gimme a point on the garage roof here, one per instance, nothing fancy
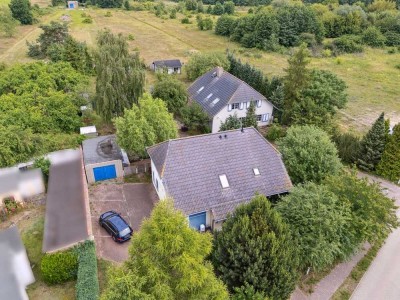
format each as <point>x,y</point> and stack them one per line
<point>101,149</point>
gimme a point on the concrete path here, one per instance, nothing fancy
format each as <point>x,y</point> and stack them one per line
<point>381,281</point>
<point>325,289</point>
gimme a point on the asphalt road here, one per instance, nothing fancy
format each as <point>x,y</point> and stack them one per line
<point>382,279</point>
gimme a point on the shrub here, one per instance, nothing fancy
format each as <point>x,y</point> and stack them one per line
<point>373,37</point>
<point>392,38</point>
<point>59,267</point>
<point>87,20</point>
<point>348,146</point>
<point>185,20</point>
<point>108,14</point>
<point>275,131</point>
<point>225,25</point>
<point>348,44</point>
<point>87,285</point>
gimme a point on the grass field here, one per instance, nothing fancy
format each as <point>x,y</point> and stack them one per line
<point>372,77</point>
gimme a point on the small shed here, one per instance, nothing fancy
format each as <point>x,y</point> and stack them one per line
<point>72,4</point>
<point>88,131</point>
<point>172,66</point>
<point>103,158</point>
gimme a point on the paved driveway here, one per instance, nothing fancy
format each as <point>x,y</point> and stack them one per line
<point>134,201</point>
<point>381,281</point>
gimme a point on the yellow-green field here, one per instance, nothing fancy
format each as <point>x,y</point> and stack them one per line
<point>372,76</point>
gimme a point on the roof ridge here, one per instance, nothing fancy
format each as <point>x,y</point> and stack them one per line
<point>215,133</point>
<point>165,161</point>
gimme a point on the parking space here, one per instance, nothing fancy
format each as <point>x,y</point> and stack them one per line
<point>134,201</point>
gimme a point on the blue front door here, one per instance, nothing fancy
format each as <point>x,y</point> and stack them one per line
<point>197,219</point>
<point>104,173</point>
<point>71,5</point>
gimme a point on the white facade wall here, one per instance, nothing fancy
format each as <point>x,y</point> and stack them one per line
<point>157,182</point>
<point>265,108</point>
<point>118,169</point>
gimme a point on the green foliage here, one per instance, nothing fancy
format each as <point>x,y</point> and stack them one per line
<point>21,10</point>
<point>191,4</point>
<point>201,63</point>
<point>251,117</point>
<point>232,122</point>
<point>318,221</point>
<point>172,91</point>
<point>389,166</point>
<point>127,5</point>
<point>373,37</point>
<point>347,44</point>
<point>167,260</point>
<point>373,215</point>
<point>255,247</point>
<point>109,3</point>
<point>185,20</point>
<point>172,14</point>
<point>204,24</point>
<point>59,267</point>
<point>296,79</point>
<point>392,38</point>
<point>87,284</point>
<point>225,25</point>
<point>275,131</point>
<point>144,125</point>
<point>195,118</point>
<point>373,145</point>
<point>120,75</point>
<point>324,94</point>
<point>8,25</point>
<point>348,146</point>
<point>229,7</point>
<point>15,145</point>
<point>218,9</point>
<point>308,154</point>
<point>43,164</point>
<point>247,292</point>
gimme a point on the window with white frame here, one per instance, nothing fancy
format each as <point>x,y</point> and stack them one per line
<point>259,118</point>
<point>235,105</point>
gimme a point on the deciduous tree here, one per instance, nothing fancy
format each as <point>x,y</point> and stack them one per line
<point>144,125</point>
<point>308,154</point>
<point>200,63</point>
<point>255,247</point>
<point>120,75</point>
<point>232,122</point>
<point>21,10</point>
<point>8,25</point>
<point>172,91</point>
<point>167,260</point>
<point>319,222</point>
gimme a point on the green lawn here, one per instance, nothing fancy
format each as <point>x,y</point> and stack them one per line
<point>372,77</point>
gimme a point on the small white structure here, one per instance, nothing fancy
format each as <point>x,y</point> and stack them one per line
<point>171,66</point>
<point>221,95</point>
<point>88,131</point>
<point>103,158</point>
<point>72,4</point>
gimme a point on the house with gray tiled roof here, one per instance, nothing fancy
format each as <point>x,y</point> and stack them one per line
<point>209,175</point>
<point>221,94</point>
<point>171,66</point>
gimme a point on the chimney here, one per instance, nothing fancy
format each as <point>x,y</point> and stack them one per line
<point>220,70</point>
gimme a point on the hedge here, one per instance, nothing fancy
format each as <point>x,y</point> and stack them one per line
<point>87,285</point>
<point>59,267</point>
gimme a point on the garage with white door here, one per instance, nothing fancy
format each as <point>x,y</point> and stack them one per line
<point>103,158</point>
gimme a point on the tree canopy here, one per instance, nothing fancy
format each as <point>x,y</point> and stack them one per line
<point>120,76</point>
<point>308,154</point>
<point>389,166</point>
<point>144,125</point>
<point>373,145</point>
<point>172,91</point>
<point>167,260</point>
<point>201,63</point>
<point>21,10</point>
<point>8,25</point>
<point>318,221</point>
<point>255,247</point>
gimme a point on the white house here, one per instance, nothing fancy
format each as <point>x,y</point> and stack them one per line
<point>209,175</point>
<point>172,66</point>
<point>221,94</point>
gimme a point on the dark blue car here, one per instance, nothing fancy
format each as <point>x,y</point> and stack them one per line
<point>116,226</point>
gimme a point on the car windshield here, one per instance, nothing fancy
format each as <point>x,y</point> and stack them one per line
<point>124,232</point>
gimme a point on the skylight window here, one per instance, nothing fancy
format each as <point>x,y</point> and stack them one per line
<point>224,181</point>
<point>256,171</point>
<point>215,101</point>
<point>200,89</point>
<point>209,96</point>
